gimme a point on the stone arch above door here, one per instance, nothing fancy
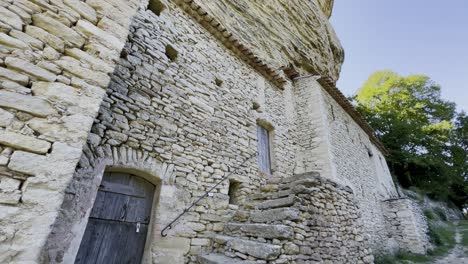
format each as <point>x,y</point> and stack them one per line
<point>63,242</point>
<point>130,160</point>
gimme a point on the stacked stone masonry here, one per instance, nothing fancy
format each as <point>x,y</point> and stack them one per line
<point>300,219</point>
<point>110,85</point>
<point>407,225</point>
<point>55,61</point>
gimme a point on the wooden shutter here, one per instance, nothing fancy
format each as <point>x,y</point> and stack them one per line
<point>264,163</point>
<point>118,224</point>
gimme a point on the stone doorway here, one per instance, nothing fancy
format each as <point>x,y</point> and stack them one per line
<point>118,224</point>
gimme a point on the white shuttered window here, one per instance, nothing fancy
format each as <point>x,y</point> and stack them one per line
<point>264,161</point>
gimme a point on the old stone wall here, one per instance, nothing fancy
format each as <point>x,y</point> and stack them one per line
<point>301,219</point>
<point>55,60</point>
<point>313,151</point>
<point>407,225</point>
<point>191,112</point>
<point>362,166</point>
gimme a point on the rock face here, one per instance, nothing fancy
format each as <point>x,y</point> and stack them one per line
<point>327,7</point>
<point>284,32</point>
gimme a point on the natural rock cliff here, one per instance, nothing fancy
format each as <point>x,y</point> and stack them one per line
<point>283,32</point>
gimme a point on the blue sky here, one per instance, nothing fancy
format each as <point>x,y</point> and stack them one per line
<point>408,37</point>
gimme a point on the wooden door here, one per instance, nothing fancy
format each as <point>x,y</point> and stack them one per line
<point>118,224</point>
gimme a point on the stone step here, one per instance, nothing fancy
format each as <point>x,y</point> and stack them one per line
<point>270,195</point>
<point>215,258</point>
<point>276,214</point>
<point>275,180</point>
<point>241,216</point>
<point>267,231</point>
<point>275,203</point>
<point>251,248</point>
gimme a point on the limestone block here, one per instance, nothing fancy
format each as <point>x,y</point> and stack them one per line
<point>404,214</point>
<point>9,197</point>
<point>4,160</point>
<point>179,244</point>
<point>12,42</point>
<point>22,142</point>
<point>34,42</point>
<point>29,68</point>
<point>74,67</point>
<point>96,64</point>
<point>107,9</point>
<point>50,53</point>
<point>25,16</point>
<point>73,128</point>
<point>83,9</point>
<point>84,101</point>
<point>50,67</point>
<point>9,184</point>
<point>56,28</point>
<point>275,215</point>
<point>9,190</point>
<point>14,87</point>
<point>61,161</point>
<point>200,242</point>
<point>29,104</point>
<point>14,76</point>
<point>262,230</point>
<point>291,249</point>
<point>27,163</point>
<point>102,36</point>
<point>166,256</point>
<point>113,28</point>
<point>10,18</point>
<point>255,249</point>
<point>45,37</point>
<point>202,105</point>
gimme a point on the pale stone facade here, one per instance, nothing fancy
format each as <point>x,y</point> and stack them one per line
<point>174,95</point>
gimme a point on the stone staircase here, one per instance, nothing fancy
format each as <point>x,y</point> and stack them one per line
<point>260,230</point>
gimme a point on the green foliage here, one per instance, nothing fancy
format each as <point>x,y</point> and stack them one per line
<point>385,259</point>
<point>464,231</point>
<point>426,138</point>
<point>443,237</point>
<point>441,213</point>
<point>430,215</point>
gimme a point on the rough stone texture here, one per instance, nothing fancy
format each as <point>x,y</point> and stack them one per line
<point>22,142</point>
<point>33,105</point>
<point>261,230</point>
<point>300,35</point>
<point>47,109</point>
<point>69,76</point>
<point>328,230</point>
<point>255,249</point>
<point>407,225</point>
<point>343,152</point>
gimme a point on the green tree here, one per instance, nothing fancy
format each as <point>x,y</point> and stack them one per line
<point>424,134</point>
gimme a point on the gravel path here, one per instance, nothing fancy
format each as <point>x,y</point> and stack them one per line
<point>459,254</point>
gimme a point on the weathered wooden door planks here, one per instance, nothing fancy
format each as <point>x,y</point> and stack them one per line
<point>118,223</point>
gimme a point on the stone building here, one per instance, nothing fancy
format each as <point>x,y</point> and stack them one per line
<point>117,115</point>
